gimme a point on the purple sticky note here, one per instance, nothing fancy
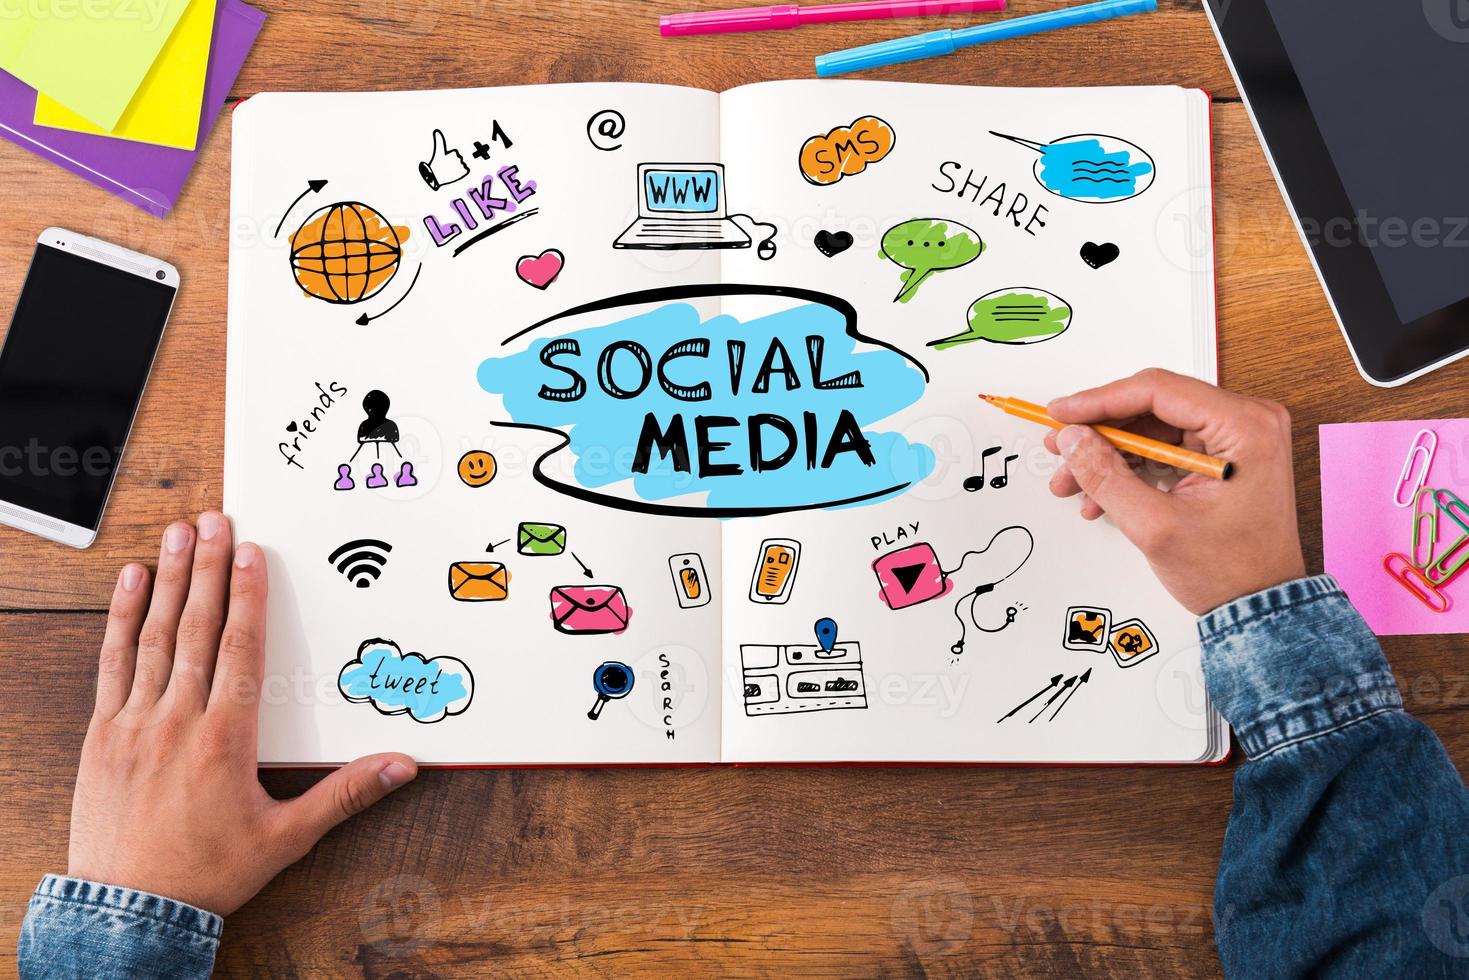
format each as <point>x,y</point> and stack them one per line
<point>140,173</point>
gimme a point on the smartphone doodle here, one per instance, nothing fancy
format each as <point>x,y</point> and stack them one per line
<point>775,570</point>
<point>690,583</point>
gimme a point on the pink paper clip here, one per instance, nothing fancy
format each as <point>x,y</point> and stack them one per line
<point>1418,448</point>
<point>1409,575</point>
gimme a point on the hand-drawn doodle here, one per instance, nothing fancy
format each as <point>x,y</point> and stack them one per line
<point>540,270</point>
<point>344,479</point>
<point>1013,315</point>
<point>346,253</point>
<point>775,571</point>
<point>376,478</point>
<point>682,206</point>
<point>479,581</point>
<point>1090,167</point>
<point>476,468</point>
<point>612,681</point>
<point>1055,682</point>
<point>496,195</point>
<point>365,319</point>
<point>585,571</point>
<point>312,187</point>
<point>1097,256</point>
<point>405,477</point>
<point>974,484</point>
<point>832,243</point>
<point>304,426</point>
<point>1131,643</point>
<point>361,561</point>
<point>497,135</point>
<point>377,430</point>
<point>800,678</point>
<point>427,690</point>
<point>826,633</point>
<point>990,583</point>
<point>540,539</point>
<point>444,166</point>
<point>923,246</point>
<point>589,610</point>
<point>690,583</point>
<point>845,150</point>
<point>910,575</point>
<point>1087,628</point>
<point>605,128</point>
<point>725,417</point>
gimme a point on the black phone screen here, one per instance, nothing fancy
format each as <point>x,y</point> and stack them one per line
<point>72,371</point>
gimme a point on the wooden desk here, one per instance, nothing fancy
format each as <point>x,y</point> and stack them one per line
<point>999,871</point>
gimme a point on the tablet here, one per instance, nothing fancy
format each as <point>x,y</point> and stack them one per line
<point>1360,106</point>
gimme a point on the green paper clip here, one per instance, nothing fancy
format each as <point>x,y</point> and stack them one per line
<point>1418,517</point>
<point>1450,563</point>
<point>1447,500</point>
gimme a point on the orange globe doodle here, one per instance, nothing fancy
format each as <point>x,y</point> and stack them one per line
<point>346,252</point>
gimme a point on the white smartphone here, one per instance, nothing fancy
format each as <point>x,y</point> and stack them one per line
<point>72,371</point>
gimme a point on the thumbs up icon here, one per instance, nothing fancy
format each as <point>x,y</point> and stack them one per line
<point>444,166</point>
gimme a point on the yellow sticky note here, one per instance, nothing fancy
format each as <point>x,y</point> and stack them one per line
<point>89,55</point>
<point>165,110</point>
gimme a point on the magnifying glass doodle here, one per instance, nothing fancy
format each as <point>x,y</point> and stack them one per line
<point>611,681</point>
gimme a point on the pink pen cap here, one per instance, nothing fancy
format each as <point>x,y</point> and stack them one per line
<point>787,16</point>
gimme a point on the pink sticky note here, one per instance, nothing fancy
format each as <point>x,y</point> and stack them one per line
<point>1360,466</point>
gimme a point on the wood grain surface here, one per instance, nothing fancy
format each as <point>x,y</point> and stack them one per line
<point>741,872</point>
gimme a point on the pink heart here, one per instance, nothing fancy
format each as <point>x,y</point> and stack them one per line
<point>540,270</point>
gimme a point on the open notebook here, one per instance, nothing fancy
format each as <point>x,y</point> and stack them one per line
<point>635,424</point>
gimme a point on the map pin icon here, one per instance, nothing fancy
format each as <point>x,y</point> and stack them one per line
<point>826,633</point>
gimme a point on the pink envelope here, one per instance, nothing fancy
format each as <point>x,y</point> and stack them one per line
<point>589,609</point>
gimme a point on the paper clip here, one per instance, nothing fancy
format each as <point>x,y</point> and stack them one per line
<point>1447,500</point>
<point>1410,578</point>
<point>1417,447</point>
<point>1419,515</point>
<point>1450,563</point>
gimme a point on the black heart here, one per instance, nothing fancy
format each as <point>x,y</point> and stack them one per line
<point>831,243</point>
<point>291,427</point>
<point>1097,256</point>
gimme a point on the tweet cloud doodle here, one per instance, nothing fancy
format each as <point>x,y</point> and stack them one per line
<point>846,150</point>
<point>427,690</point>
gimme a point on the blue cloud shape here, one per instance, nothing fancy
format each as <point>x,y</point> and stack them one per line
<point>397,683</point>
<point>603,429</point>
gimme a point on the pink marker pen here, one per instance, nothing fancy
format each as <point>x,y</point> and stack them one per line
<point>787,16</point>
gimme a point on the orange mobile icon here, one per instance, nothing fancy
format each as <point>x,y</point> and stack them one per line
<point>775,573</point>
<point>689,578</point>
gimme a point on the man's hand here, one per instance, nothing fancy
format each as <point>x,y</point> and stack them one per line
<point>167,798</point>
<point>1209,541</point>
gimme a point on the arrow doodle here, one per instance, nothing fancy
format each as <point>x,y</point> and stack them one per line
<point>1013,711</point>
<point>364,319</point>
<point>312,187</point>
<point>1084,678</point>
<point>584,569</point>
<point>490,548</point>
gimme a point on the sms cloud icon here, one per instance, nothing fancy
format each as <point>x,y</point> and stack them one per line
<point>406,683</point>
<point>846,150</point>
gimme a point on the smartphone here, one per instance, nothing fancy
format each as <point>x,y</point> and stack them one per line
<point>72,371</point>
<point>775,570</point>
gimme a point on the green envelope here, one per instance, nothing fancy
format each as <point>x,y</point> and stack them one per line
<point>541,539</point>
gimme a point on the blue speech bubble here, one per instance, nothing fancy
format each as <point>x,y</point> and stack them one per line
<point>406,683</point>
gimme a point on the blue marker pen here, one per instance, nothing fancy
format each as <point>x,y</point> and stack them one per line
<point>936,43</point>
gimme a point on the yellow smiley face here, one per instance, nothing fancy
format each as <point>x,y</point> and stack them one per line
<point>476,468</point>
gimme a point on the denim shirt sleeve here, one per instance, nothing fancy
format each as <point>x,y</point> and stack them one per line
<point>1346,851</point>
<point>76,928</point>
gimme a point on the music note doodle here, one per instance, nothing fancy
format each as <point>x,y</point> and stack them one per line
<point>974,484</point>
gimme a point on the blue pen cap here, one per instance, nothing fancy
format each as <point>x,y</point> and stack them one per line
<point>893,52</point>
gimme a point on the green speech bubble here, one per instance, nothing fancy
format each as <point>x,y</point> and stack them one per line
<point>1014,315</point>
<point>924,246</point>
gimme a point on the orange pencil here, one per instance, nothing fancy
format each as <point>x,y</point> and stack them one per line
<point>1128,442</point>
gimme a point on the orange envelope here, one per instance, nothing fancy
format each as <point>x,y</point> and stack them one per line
<point>478,581</point>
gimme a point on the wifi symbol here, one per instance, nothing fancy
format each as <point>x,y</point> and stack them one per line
<point>361,561</point>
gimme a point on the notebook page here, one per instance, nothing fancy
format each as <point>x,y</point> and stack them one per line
<point>511,642</point>
<point>1077,654</point>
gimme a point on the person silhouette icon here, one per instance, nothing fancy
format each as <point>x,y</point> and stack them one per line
<point>344,477</point>
<point>377,428</point>
<point>405,476</point>
<point>376,478</point>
